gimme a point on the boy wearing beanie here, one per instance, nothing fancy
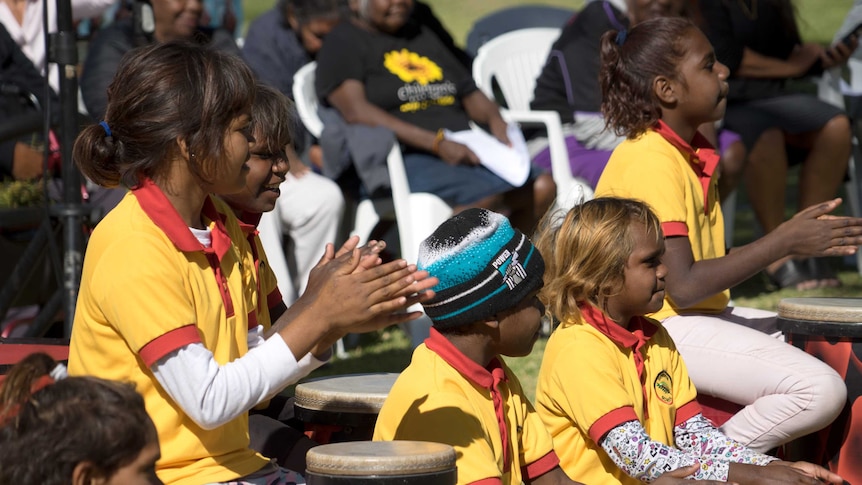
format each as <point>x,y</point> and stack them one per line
<point>457,390</point>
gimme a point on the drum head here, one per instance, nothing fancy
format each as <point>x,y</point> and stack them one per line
<point>843,310</point>
<point>380,458</point>
<point>353,393</point>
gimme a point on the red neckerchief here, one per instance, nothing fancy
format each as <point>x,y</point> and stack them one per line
<point>488,378</point>
<point>635,337</point>
<point>248,222</point>
<point>701,156</point>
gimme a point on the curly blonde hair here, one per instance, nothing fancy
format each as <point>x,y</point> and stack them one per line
<point>585,252</point>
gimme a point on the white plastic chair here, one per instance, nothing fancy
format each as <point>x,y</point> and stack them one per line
<point>417,213</point>
<point>515,59</point>
<point>368,212</point>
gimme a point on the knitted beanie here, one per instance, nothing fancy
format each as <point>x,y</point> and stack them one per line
<point>484,266</point>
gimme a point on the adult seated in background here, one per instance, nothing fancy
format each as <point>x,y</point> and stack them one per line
<point>289,35</point>
<point>172,21</point>
<point>384,68</point>
<point>224,14</point>
<point>759,42</point>
<point>569,85</point>
<point>21,101</point>
<point>23,20</point>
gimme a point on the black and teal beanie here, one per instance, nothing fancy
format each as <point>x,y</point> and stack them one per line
<point>484,265</point>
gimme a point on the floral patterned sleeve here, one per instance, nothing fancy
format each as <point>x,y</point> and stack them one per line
<point>630,447</point>
<point>698,437</point>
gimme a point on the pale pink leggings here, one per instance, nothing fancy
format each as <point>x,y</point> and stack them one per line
<point>740,356</point>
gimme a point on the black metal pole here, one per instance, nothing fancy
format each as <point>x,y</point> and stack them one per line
<point>64,52</point>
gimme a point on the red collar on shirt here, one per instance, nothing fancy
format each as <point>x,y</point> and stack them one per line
<point>248,222</point>
<point>163,214</point>
<point>702,156</point>
<point>638,333</point>
<point>250,218</point>
<point>483,377</point>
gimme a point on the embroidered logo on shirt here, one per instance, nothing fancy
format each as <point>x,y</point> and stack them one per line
<point>664,387</point>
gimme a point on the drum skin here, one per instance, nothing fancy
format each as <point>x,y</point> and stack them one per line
<point>382,462</point>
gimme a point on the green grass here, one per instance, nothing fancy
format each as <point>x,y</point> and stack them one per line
<point>820,19</point>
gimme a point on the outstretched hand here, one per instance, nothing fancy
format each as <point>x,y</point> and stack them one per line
<point>813,232</point>
<point>812,470</point>
<point>777,472</point>
<point>678,477</point>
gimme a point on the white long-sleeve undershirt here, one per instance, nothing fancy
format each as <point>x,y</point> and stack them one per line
<point>212,394</point>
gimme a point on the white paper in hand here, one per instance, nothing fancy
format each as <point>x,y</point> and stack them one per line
<point>510,163</point>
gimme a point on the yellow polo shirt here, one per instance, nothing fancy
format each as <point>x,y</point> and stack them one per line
<point>445,397</point>
<point>677,182</point>
<point>267,286</point>
<point>149,288</point>
<point>595,376</point>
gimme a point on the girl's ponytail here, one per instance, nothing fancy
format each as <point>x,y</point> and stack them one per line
<point>95,153</point>
<point>20,382</point>
<point>615,94</point>
<point>631,61</point>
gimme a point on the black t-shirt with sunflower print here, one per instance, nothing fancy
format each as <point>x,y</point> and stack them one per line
<point>411,75</point>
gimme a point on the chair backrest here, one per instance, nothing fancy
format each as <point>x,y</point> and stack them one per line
<point>514,60</point>
<point>305,97</point>
<point>514,18</point>
<point>417,214</point>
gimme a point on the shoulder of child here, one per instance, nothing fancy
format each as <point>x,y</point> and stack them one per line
<point>574,341</point>
<point>646,154</point>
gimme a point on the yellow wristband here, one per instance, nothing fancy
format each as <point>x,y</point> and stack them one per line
<point>435,147</point>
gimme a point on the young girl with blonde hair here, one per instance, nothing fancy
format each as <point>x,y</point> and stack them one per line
<point>613,391</point>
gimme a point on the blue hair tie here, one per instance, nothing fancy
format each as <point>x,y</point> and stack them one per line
<point>104,125</point>
<point>622,35</point>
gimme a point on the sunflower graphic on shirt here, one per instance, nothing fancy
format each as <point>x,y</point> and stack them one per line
<point>411,67</point>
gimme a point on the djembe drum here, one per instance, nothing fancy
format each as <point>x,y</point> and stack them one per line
<point>382,463</point>
<point>831,330</point>
<point>342,408</point>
